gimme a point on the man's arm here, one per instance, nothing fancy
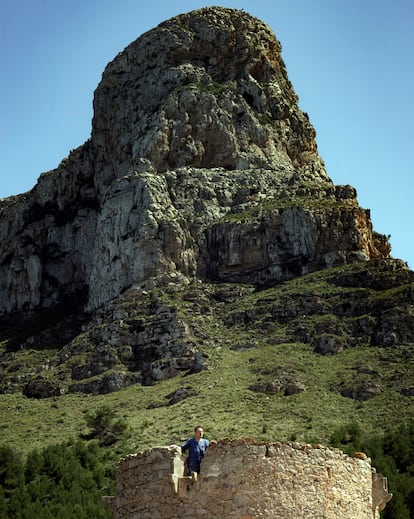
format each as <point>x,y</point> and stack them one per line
<point>185,446</point>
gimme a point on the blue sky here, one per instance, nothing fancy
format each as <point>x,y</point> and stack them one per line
<point>350,62</point>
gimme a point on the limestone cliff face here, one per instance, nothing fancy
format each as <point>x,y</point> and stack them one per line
<point>206,89</point>
<point>200,164</point>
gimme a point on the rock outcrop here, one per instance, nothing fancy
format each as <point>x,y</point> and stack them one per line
<point>200,164</point>
<point>200,168</point>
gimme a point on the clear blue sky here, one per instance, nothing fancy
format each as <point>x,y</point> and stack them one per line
<point>350,62</point>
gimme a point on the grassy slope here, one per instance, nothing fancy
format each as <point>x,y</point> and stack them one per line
<point>224,404</point>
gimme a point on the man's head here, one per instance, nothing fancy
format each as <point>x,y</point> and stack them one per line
<point>198,432</point>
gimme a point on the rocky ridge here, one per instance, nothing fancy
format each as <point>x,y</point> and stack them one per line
<point>200,169</point>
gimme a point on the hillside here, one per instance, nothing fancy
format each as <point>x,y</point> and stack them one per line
<point>294,361</point>
<point>193,262</point>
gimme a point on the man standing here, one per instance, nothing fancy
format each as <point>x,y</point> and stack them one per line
<point>197,447</point>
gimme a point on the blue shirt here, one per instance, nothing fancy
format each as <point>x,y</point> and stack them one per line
<point>196,451</point>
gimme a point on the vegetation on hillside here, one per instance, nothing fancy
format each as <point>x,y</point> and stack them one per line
<point>392,454</point>
<point>68,480</point>
<point>340,338</point>
<point>62,481</point>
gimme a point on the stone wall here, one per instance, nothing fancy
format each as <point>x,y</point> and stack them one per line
<point>246,479</point>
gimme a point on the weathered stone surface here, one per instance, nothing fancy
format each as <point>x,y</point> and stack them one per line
<point>40,388</point>
<point>328,344</point>
<point>204,83</point>
<point>287,387</point>
<point>292,388</point>
<point>137,333</point>
<point>180,394</point>
<point>407,391</point>
<point>200,168</point>
<point>249,479</point>
<point>200,163</point>
<point>380,494</point>
<point>108,383</point>
<point>267,387</point>
<point>358,390</point>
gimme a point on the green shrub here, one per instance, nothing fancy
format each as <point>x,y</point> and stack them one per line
<point>105,427</point>
<point>61,481</point>
<point>11,470</point>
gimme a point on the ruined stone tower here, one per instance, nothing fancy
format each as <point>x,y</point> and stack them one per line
<point>245,479</point>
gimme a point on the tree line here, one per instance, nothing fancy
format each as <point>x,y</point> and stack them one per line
<point>60,481</point>
<point>63,481</point>
<point>67,480</point>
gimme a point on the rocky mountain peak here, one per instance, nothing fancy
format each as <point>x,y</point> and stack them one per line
<point>201,168</point>
<point>200,164</point>
<point>205,89</point>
